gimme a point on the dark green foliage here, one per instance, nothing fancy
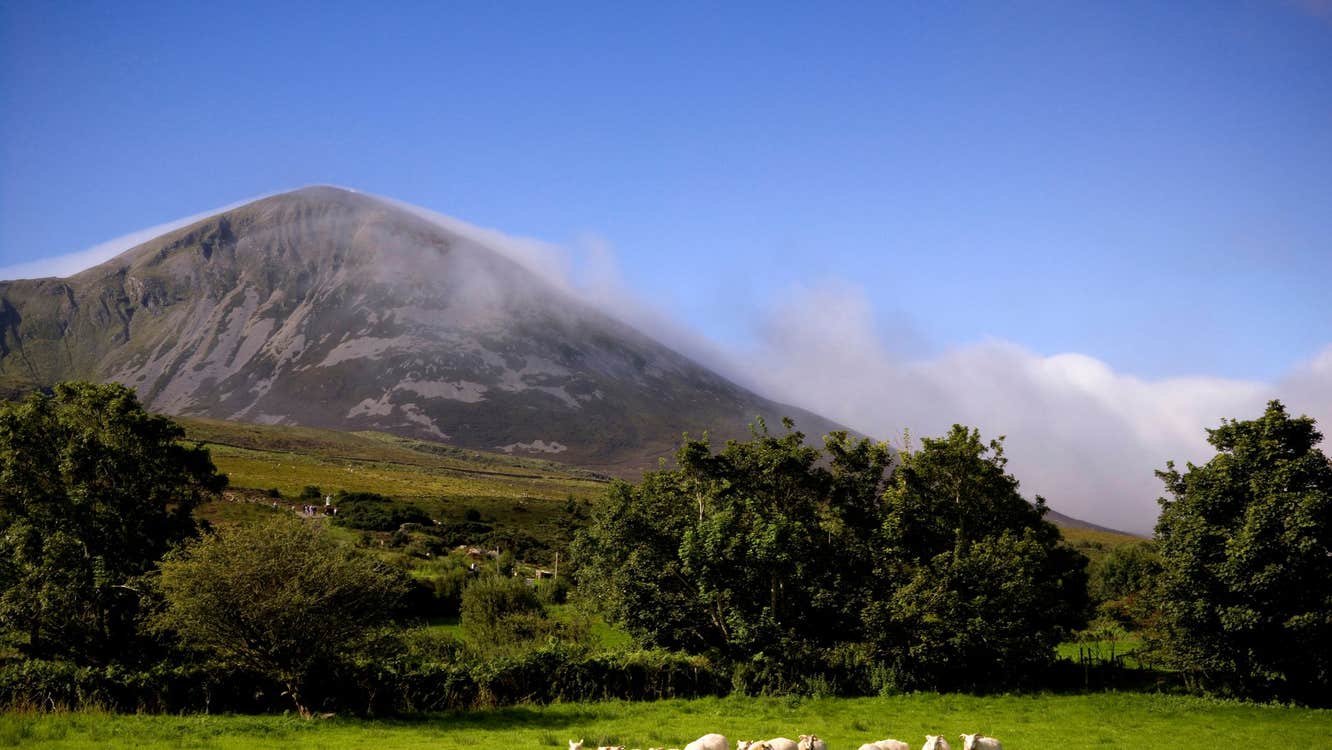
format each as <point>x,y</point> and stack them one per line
<point>406,679</point>
<point>801,570</point>
<point>1123,585</point>
<point>553,591</point>
<point>372,512</point>
<point>975,588</point>
<point>278,597</point>
<point>500,614</point>
<point>93,491</point>
<point>311,492</point>
<point>454,533</point>
<point>1247,577</point>
<point>758,549</point>
<point>438,592</point>
<point>161,687</point>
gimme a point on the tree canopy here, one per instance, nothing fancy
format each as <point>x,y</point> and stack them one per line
<point>976,588</point>
<point>93,491</point>
<point>772,551</point>
<point>277,596</point>
<point>1246,582</point>
<point>740,552</point>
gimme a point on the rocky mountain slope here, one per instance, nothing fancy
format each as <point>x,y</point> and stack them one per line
<point>328,308</point>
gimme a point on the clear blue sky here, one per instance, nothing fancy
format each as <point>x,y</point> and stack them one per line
<point>1149,183</point>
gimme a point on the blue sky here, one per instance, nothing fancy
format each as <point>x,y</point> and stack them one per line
<point>1146,184</point>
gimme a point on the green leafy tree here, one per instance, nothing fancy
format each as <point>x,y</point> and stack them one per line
<point>757,550</point>
<point>93,491</point>
<point>975,587</point>
<point>1247,574</point>
<point>277,596</point>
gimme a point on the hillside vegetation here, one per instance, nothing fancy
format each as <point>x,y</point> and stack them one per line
<point>261,457</point>
<point>140,577</point>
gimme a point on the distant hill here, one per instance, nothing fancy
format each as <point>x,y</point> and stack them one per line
<point>444,479</point>
<point>1069,522</point>
<point>327,308</point>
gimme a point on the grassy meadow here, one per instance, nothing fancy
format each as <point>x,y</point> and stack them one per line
<point>1068,722</point>
<point>442,479</point>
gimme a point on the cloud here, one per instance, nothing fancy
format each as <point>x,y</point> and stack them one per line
<point>588,270</point>
<point>550,262</point>
<point>1082,435</point>
<point>1079,433</point>
<point>72,263</point>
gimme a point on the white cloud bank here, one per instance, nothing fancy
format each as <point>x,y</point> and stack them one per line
<point>1082,435</point>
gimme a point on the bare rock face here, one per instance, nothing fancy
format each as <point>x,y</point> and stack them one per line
<point>327,308</point>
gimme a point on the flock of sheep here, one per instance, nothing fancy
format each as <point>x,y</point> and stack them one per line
<point>811,742</point>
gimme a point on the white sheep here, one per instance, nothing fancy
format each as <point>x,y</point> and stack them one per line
<point>811,742</point>
<point>935,742</point>
<point>886,745</point>
<point>712,741</point>
<point>748,745</point>
<point>780,743</point>
<point>980,742</point>
<point>575,745</point>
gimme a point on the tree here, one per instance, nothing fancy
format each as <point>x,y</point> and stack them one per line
<point>278,596</point>
<point>976,588</point>
<point>757,550</point>
<point>93,491</point>
<point>1246,584</point>
<point>1123,584</point>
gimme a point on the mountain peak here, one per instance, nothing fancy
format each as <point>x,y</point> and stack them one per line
<point>331,308</point>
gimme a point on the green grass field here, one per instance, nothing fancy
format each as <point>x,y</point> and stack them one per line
<point>1073,722</point>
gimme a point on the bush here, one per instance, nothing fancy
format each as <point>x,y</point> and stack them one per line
<point>166,688</point>
<point>371,512</point>
<point>438,594</point>
<point>558,673</point>
<point>499,612</point>
<point>553,592</point>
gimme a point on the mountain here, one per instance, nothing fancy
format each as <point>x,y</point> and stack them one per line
<point>327,308</point>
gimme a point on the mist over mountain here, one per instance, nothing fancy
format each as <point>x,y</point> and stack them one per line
<point>330,308</point>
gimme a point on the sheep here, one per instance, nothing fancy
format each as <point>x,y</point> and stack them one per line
<point>575,745</point>
<point>780,743</point>
<point>712,741</point>
<point>980,742</point>
<point>811,742</point>
<point>748,745</point>
<point>935,742</point>
<point>886,745</point>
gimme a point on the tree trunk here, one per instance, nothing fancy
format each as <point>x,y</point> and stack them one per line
<point>293,690</point>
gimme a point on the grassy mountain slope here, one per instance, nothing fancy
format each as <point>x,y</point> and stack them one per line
<point>515,493</point>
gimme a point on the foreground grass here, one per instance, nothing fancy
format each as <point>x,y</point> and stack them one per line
<point>1071,722</point>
